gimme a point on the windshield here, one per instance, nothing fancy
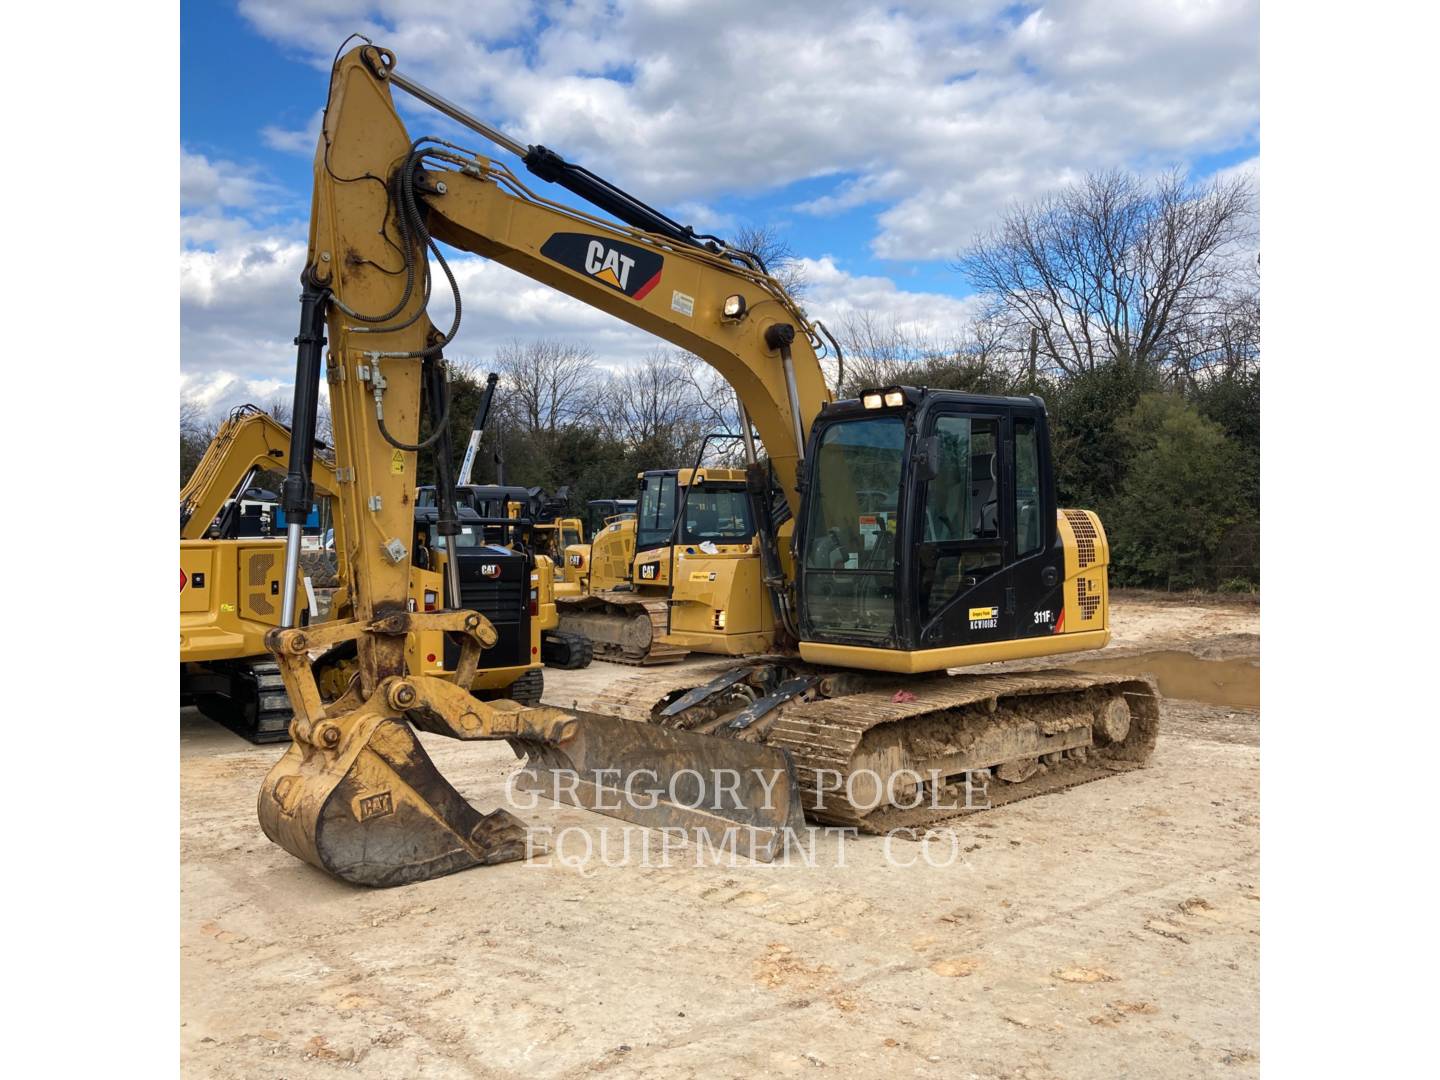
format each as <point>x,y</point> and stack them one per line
<point>469,537</point>
<point>657,512</point>
<point>850,527</point>
<point>720,515</point>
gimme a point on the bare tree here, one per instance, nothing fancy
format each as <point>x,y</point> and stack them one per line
<point>654,402</point>
<point>547,384</point>
<point>776,253</point>
<point>879,350</point>
<point>280,406</point>
<point>1115,268</point>
<point>197,428</point>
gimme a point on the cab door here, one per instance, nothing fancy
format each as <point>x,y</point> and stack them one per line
<point>963,528</point>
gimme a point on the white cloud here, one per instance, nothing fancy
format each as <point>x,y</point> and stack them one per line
<point>938,113</point>
<point>934,116</point>
<point>239,311</point>
<point>834,295</point>
<point>294,141</point>
<point>207,183</point>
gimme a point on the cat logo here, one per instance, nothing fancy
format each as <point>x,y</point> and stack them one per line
<point>576,560</point>
<point>489,569</point>
<point>627,268</point>
<point>607,264</point>
<point>649,571</point>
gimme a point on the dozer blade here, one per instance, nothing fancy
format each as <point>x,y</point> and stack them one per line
<point>744,797</point>
<point>377,812</point>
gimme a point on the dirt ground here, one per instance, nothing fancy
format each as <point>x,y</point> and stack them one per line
<point>1109,930</point>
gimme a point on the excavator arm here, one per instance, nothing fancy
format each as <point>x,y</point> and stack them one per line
<point>356,793</point>
<point>249,440</point>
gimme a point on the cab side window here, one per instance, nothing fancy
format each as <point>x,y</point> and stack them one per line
<point>1027,488</point>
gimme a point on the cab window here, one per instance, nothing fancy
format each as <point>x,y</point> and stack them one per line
<point>1027,488</point>
<point>961,540</point>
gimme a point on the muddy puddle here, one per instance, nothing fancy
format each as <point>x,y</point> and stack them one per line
<point>1233,681</point>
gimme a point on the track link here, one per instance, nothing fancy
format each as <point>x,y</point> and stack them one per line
<point>609,621</point>
<point>256,707</point>
<point>956,725</point>
<point>1015,735</point>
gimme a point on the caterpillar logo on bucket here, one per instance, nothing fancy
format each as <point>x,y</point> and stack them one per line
<point>489,569</point>
<point>626,268</point>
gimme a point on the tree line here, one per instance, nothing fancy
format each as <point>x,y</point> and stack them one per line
<point>1130,305</point>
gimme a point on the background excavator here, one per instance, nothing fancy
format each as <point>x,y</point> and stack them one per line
<point>230,585</point>
<point>923,534</point>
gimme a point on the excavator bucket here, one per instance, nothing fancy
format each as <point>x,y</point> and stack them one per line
<point>367,805</point>
<point>377,812</point>
<point>738,797</point>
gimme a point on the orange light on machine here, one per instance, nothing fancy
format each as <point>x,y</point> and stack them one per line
<point>184,577</point>
<point>430,658</point>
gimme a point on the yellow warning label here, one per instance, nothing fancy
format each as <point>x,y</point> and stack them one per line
<point>984,612</point>
<point>397,462</point>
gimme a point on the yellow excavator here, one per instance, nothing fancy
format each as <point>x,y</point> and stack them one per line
<point>230,582</point>
<point>923,534</point>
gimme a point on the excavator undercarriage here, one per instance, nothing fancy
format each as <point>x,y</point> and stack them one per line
<point>880,753</point>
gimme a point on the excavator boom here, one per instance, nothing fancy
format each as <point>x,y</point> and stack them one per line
<point>356,794</point>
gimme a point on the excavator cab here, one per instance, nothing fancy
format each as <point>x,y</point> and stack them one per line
<point>930,531</point>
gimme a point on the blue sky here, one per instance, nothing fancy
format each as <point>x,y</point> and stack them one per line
<point>878,138</point>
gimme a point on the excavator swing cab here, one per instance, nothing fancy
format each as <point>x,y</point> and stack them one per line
<point>930,529</point>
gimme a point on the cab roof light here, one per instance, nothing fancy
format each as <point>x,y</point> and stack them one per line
<point>891,397</point>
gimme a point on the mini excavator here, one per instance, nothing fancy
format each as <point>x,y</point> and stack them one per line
<point>923,534</point>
